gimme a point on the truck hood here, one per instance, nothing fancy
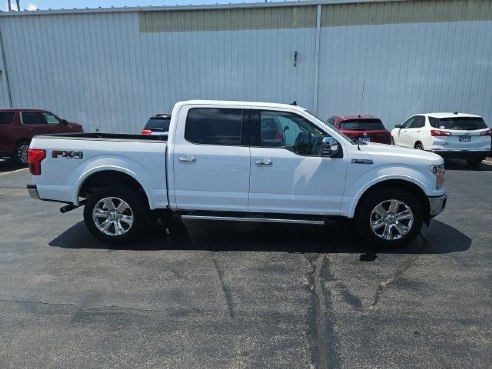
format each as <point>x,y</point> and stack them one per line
<point>390,151</point>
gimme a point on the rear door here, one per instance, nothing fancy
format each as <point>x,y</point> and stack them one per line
<point>34,123</point>
<point>466,133</point>
<point>211,159</point>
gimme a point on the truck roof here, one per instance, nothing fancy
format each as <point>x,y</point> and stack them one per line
<point>243,103</point>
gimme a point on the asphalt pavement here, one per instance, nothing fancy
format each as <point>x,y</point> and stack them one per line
<point>230,295</point>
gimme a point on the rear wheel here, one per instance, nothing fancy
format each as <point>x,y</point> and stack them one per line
<point>392,141</point>
<point>389,217</point>
<point>20,153</point>
<point>419,146</point>
<point>116,215</point>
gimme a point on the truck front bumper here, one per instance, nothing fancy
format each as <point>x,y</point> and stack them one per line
<point>437,205</point>
<point>33,191</point>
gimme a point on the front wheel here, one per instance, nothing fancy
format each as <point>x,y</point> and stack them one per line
<point>389,217</point>
<point>116,215</point>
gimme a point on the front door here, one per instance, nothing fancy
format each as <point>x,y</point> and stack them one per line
<point>287,174</point>
<point>211,161</point>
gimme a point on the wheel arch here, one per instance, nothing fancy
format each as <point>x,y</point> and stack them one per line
<point>400,184</point>
<point>107,177</point>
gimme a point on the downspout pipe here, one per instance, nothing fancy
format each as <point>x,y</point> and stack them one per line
<point>316,59</point>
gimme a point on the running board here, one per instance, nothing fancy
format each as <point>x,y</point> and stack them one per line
<point>249,219</point>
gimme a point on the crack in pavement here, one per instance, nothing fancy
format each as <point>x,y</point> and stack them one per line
<point>78,307</point>
<point>402,268</point>
<point>225,290</point>
<point>324,316</point>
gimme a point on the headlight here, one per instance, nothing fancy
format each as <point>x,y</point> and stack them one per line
<point>438,171</point>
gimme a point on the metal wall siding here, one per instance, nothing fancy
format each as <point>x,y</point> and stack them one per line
<point>112,70</point>
<point>420,11</point>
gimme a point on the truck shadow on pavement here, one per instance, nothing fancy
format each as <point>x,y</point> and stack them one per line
<point>456,164</point>
<point>9,166</point>
<point>335,237</point>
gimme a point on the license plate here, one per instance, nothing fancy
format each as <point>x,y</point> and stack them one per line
<point>364,139</point>
<point>465,138</point>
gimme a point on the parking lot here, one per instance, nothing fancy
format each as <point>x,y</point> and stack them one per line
<point>230,295</point>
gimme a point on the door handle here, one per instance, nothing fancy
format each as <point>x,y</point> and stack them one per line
<point>263,162</point>
<point>187,158</point>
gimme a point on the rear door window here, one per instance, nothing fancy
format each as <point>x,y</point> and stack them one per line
<point>33,118</point>
<point>214,126</point>
<point>459,123</point>
<point>6,118</point>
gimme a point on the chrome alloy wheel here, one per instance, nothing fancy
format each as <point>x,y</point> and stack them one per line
<point>391,219</point>
<point>113,216</point>
<point>22,153</point>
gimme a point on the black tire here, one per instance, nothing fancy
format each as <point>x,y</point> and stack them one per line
<point>475,162</point>
<point>20,153</point>
<point>367,216</point>
<point>392,141</point>
<point>419,146</point>
<point>120,230</point>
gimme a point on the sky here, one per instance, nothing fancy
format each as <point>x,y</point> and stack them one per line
<point>70,4</point>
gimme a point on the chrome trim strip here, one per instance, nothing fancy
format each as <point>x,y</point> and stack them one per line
<point>258,220</point>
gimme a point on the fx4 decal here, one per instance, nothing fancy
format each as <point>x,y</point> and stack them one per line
<point>67,154</point>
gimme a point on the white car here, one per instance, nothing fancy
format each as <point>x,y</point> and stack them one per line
<point>451,135</point>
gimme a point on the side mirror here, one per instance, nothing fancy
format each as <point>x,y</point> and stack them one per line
<point>329,147</point>
<point>397,125</point>
<point>64,122</point>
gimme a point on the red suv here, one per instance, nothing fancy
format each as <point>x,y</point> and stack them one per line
<point>362,127</point>
<point>18,126</point>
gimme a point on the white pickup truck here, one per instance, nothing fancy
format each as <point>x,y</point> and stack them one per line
<point>244,161</point>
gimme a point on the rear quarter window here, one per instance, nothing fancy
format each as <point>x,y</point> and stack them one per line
<point>6,118</point>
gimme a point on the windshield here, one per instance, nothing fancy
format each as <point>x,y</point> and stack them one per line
<point>332,127</point>
<point>362,125</point>
<point>461,123</point>
<point>158,124</point>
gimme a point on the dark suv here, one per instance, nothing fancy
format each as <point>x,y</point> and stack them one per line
<point>362,127</point>
<point>18,126</point>
<point>157,125</point>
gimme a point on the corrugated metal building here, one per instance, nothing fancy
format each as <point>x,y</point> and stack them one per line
<point>110,69</point>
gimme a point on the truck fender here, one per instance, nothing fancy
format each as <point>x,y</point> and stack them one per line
<point>365,185</point>
<point>103,163</point>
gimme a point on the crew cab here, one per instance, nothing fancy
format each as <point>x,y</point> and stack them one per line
<point>18,126</point>
<point>222,161</point>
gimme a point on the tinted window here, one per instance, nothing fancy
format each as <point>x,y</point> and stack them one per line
<point>418,122</point>
<point>362,124</point>
<point>289,131</point>
<point>462,123</point>
<point>213,126</point>
<point>33,118</point>
<point>158,124</point>
<point>6,118</point>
